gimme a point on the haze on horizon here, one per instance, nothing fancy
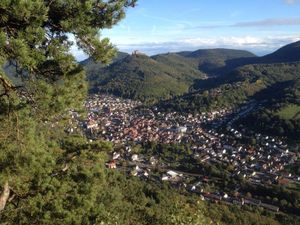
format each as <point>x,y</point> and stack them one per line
<point>156,26</point>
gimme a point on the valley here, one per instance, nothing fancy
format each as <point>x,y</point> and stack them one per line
<point>209,154</point>
<point>208,138</point>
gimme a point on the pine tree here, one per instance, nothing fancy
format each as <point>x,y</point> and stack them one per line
<point>35,41</point>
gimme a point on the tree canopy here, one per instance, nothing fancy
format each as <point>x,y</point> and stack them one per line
<point>45,81</point>
<point>35,35</point>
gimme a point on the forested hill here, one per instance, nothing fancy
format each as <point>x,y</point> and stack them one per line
<point>288,53</point>
<point>167,75</point>
<point>213,61</point>
<point>141,77</point>
<point>219,62</point>
<point>158,77</point>
<point>245,83</point>
<point>92,67</point>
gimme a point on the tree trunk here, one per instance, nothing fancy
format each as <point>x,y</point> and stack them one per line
<point>4,196</point>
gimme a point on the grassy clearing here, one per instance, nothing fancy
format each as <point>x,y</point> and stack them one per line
<point>289,112</point>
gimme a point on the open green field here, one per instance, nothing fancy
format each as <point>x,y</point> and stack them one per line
<point>289,112</point>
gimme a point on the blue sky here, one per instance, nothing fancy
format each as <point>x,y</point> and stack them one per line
<point>156,26</point>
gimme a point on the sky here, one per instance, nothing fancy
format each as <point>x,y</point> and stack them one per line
<point>160,26</point>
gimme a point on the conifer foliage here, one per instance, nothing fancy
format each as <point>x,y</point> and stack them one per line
<point>35,39</point>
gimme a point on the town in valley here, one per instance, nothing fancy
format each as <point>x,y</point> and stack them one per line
<point>212,138</point>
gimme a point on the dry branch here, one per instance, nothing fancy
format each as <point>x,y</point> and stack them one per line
<point>4,196</point>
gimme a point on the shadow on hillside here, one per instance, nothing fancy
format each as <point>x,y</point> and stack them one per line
<point>276,91</point>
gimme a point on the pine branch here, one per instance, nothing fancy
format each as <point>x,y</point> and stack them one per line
<point>7,86</point>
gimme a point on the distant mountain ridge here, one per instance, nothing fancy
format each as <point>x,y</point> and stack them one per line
<point>167,75</point>
<point>211,61</point>
<point>288,53</point>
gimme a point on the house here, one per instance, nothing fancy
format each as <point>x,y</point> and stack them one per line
<point>112,164</point>
<point>181,129</point>
<point>270,207</point>
<point>91,124</point>
<point>153,160</point>
<point>172,174</point>
<point>252,201</point>
<point>135,157</point>
<point>165,177</point>
<point>116,155</point>
<point>238,201</point>
<point>146,174</point>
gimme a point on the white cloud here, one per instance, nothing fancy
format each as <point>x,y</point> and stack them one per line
<point>258,45</point>
<point>240,41</point>
<point>269,23</point>
<point>257,23</point>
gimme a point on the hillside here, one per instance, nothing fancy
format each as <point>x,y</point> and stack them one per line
<point>283,109</point>
<point>93,68</point>
<point>288,53</point>
<point>144,78</point>
<point>258,81</point>
<point>165,75</point>
<point>179,63</point>
<point>272,82</point>
<point>219,62</point>
<point>158,77</point>
<point>90,63</point>
<point>211,61</point>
